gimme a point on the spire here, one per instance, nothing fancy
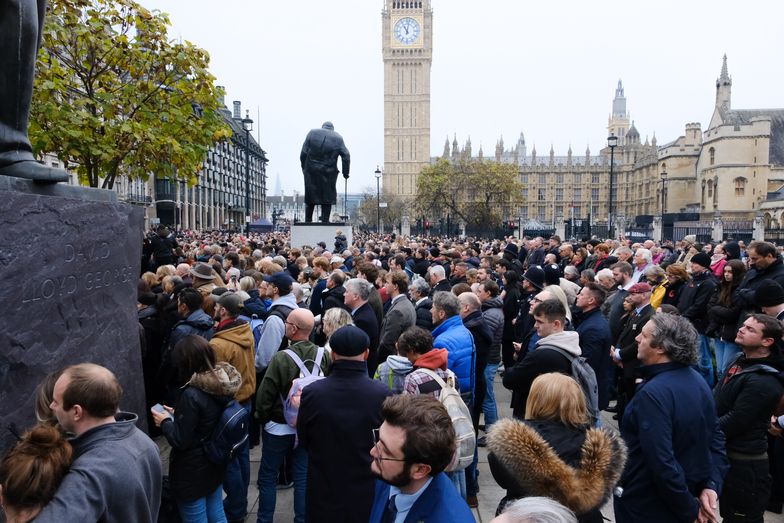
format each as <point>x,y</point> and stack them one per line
<point>619,102</point>
<point>481,154</point>
<point>653,140</point>
<point>587,151</point>
<point>455,149</point>
<point>724,88</point>
<point>725,76</point>
<point>520,149</point>
<point>499,149</point>
<point>446,147</point>
<point>467,148</point>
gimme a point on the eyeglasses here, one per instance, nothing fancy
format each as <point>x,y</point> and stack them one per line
<point>287,322</point>
<point>376,440</point>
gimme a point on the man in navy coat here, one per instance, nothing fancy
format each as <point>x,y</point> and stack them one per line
<point>595,341</point>
<point>356,298</point>
<point>677,458</point>
<point>412,448</point>
<point>335,425</point>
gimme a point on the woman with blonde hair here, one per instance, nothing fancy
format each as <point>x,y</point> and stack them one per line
<point>333,319</point>
<point>558,293</point>
<point>554,453</point>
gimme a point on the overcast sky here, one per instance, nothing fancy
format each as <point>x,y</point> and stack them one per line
<point>546,68</point>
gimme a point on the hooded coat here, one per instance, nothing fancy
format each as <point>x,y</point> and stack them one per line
<point>540,361</point>
<point>234,344</point>
<point>393,372</point>
<point>198,409</point>
<point>319,160</point>
<point>574,466</point>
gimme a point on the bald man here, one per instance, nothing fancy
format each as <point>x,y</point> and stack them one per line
<point>116,466</point>
<point>278,438</point>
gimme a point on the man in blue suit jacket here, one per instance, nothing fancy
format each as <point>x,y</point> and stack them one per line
<point>411,450</point>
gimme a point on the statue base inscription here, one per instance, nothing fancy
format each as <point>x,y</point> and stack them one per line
<point>69,262</point>
<point>311,233</point>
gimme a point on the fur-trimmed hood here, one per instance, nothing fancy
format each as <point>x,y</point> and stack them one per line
<point>223,380</point>
<point>528,460</point>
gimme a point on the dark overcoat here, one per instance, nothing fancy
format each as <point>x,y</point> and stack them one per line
<point>319,159</point>
<point>335,423</point>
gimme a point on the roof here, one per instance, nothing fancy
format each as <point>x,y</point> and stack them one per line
<point>744,117</point>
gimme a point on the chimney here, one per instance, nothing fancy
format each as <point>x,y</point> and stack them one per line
<point>237,110</point>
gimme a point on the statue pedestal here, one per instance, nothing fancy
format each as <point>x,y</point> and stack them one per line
<point>311,233</point>
<point>69,260</point>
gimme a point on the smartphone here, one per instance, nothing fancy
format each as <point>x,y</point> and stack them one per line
<point>159,408</point>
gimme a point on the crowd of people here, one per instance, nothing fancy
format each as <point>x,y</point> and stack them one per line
<point>353,363</point>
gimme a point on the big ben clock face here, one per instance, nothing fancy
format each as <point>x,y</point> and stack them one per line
<point>407,31</point>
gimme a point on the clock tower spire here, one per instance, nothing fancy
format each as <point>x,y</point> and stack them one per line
<point>407,49</point>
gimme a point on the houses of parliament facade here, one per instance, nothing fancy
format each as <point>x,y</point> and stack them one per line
<point>733,169</point>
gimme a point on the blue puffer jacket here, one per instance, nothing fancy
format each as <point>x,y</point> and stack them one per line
<point>452,335</point>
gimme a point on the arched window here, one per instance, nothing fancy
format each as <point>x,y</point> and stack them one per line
<point>712,153</point>
<point>740,186</point>
<point>710,188</point>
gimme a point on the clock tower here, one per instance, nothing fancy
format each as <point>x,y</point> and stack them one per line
<point>407,45</point>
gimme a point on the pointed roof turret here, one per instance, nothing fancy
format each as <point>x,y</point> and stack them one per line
<point>481,153</point>
<point>725,75</point>
<point>633,135</point>
<point>446,147</point>
<point>724,87</point>
<point>619,102</point>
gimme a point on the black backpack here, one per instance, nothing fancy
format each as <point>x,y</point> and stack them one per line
<point>230,434</point>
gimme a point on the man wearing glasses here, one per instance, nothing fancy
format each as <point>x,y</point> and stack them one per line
<point>411,450</point>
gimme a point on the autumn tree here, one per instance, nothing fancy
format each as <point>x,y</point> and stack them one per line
<point>114,96</point>
<point>391,213</point>
<point>478,192</point>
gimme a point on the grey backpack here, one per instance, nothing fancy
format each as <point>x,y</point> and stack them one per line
<point>584,375</point>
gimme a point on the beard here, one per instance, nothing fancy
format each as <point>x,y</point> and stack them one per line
<point>401,479</point>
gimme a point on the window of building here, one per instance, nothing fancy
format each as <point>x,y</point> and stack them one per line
<point>559,195</point>
<point>524,178</point>
<point>712,153</point>
<point>594,194</point>
<point>577,177</point>
<point>740,186</point>
<point>524,213</point>
<point>577,195</point>
<point>542,179</point>
<point>559,210</point>
<point>710,188</point>
<point>542,195</point>
<point>594,178</point>
<point>525,194</point>
<point>559,178</point>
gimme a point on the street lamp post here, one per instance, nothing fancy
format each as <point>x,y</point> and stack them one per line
<point>247,126</point>
<point>612,143</point>
<point>663,192</point>
<point>378,200</point>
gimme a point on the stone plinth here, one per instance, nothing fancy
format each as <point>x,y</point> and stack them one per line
<point>69,262</point>
<point>312,233</point>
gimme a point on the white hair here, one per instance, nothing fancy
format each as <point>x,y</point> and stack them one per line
<point>645,253</point>
<point>604,273</point>
<point>438,271</point>
<point>539,510</point>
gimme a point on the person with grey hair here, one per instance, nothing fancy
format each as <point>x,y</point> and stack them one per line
<point>571,273</point>
<point>449,333</point>
<point>357,298</point>
<point>437,277</point>
<point>676,450</point>
<point>299,295</point>
<point>419,292</point>
<point>535,510</point>
<point>640,262</point>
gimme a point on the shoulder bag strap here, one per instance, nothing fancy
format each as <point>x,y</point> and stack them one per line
<point>293,356</point>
